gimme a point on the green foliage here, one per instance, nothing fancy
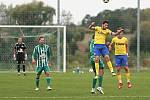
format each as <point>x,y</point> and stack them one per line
<point>125,18</point>
<point>34,13</point>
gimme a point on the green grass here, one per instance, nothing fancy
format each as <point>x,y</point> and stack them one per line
<point>68,86</point>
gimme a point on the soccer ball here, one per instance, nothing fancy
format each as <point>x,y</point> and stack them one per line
<point>105,1</point>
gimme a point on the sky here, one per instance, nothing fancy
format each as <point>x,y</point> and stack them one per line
<point>79,8</point>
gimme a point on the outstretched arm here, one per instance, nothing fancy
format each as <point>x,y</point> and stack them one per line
<point>92,26</point>
<point>116,33</point>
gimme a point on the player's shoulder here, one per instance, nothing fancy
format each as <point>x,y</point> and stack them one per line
<point>16,43</point>
<point>36,46</point>
<point>46,46</point>
<point>98,27</point>
<point>115,38</point>
<point>125,38</point>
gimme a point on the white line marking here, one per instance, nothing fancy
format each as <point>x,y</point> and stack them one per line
<point>96,96</point>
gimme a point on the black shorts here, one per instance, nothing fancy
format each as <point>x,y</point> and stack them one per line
<point>20,57</point>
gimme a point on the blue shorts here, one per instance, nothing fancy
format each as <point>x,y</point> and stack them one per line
<point>100,49</point>
<point>121,60</point>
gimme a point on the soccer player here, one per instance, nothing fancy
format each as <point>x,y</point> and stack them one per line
<point>41,56</point>
<point>20,55</point>
<point>100,72</point>
<point>121,57</point>
<point>100,48</point>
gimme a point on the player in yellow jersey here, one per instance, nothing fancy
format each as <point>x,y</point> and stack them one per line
<point>100,48</point>
<point>121,57</point>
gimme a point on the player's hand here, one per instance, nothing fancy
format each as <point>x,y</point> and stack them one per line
<point>110,48</point>
<point>93,23</point>
<point>49,64</point>
<point>33,61</point>
<point>120,30</point>
<point>26,57</point>
<point>128,55</point>
<point>14,57</point>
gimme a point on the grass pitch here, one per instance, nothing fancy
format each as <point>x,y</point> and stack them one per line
<point>69,86</point>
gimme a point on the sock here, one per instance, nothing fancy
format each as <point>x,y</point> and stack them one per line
<point>119,78</point>
<point>94,83</point>
<point>48,79</point>
<point>128,77</point>
<point>37,82</point>
<point>23,68</point>
<point>18,68</point>
<point>110,66</point>
<point>97,68</point>
<point>100,80</point>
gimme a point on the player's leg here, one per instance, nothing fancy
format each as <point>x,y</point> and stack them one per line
<point>94,78</point>
<point>100,78</point>
<point>125,64</point>
<point>105,53</point>
<point>24,68</point>
<point>48,77</point>
<point>37,80</point>
<point>23,63</point>
<point>118,66</point>
<point>96,54</point>
<point>18,67</point>
<point>101,73</point>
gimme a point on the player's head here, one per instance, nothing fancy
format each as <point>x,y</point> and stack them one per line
<point>105,24</point>
<point>120,29</point>
<point>41,40</point>
<point>19,40</point>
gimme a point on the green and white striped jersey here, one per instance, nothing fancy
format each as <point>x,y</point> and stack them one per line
<point>42,54</point>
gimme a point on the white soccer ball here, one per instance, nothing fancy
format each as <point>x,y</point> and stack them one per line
<point>90,70</point>
<point>105,1</point>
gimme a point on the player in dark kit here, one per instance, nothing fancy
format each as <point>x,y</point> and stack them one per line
<point>20,55</point>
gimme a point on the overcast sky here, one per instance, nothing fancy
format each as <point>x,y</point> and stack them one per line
<point>79,8</point>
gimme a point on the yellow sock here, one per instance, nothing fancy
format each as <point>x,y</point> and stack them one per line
<point>110,66</point>
<point>119,78</point>
<point>97,68</point>
<point>128,77</point>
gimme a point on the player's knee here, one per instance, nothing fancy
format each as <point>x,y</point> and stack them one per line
<point>97,59</point>
<point>38,76</point>
<point>101,72</point>
<point>47,74</point>
<point>118,69</point>
<point>126,69</point>
<point>107,58</point>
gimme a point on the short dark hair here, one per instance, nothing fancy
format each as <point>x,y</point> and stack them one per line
<point>105,21</point>
<point>41,37</point>
<point>119,28</point>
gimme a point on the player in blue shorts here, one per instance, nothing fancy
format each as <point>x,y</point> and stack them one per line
<point>121,57</point>
<point>100,48</point>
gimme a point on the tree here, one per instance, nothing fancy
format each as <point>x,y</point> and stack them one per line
<point>34,13</point>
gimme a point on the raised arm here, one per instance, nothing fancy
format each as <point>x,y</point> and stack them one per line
<point>118,32</point>
<point>92,26</point>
